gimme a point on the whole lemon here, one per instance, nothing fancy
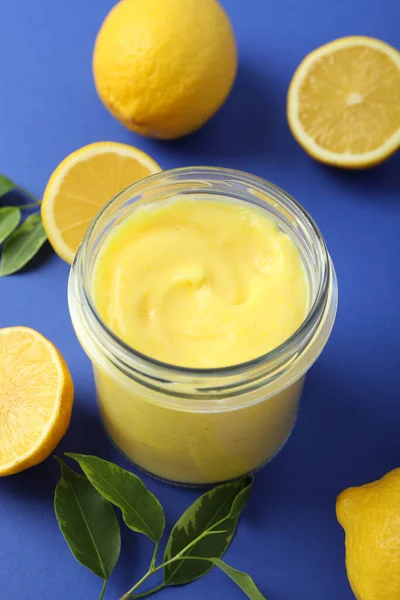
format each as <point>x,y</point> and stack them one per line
<point>164,67</point>
<point>370,516</point>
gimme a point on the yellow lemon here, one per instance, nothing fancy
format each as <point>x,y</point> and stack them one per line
<point>82,184</point>
<point>164,67</point>
<point>344,102</point>
<point>370,516</point>
<point>36,397</point>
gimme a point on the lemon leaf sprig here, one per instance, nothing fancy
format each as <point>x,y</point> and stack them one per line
<point>84,510</point>
<point>21,242</point>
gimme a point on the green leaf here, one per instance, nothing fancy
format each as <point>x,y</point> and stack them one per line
<point>141,511</point>
<point>6,185</point>
<point>243,580</point>
<point>10,216</point>
<point>87,522</point>
<point>205,530</point>
<point>22,245</point>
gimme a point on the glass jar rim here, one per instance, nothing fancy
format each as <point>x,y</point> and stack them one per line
<point>238,178</point>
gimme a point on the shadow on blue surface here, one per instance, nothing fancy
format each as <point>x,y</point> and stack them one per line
<point>252,122</point>
<point>378,184</point>
<point>329,443</point>
<point>86,434</point>
<point>37,483</point>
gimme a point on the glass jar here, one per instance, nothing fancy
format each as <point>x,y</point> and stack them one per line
<point>202,426</point>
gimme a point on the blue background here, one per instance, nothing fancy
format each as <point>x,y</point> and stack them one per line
<point>348,429</point>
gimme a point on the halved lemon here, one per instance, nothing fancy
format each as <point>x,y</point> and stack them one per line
<point>81,185</point>
<point>36,397</point>
<point>344,102</point>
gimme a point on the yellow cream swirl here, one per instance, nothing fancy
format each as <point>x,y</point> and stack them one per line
<point>200,282</point>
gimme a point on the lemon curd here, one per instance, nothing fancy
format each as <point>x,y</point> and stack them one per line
<point>200,283</point>
<point>201,313</point>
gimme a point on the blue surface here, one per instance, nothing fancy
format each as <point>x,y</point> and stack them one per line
<point>348,430</point>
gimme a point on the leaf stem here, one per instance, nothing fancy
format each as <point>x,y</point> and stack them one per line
<point>152,591</point>
<point>154,569</point>
<point>30,205</point>
<point>28,194</point>
<point>153,560</point>
<point>192,543</point>
<point>138,584</point>
<point>103,589</point>
<point>162,585</point>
